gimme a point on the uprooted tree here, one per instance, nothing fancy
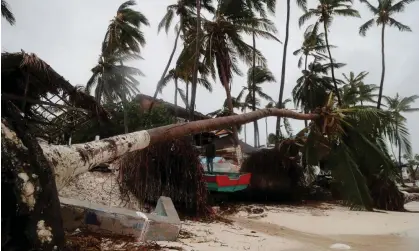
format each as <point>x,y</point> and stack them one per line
<point>349,140</point>
<point>32,219</point>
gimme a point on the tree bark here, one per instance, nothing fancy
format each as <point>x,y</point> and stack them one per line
<point>31,216</point>
<point>195,69</point>
<point>400,156</point>
<point>266,129</point>
<point>176,91</point>
<point>284,62</point>
<point>255,123</point>
<point>332,68</point>
<point>69,161</point>
<point>383,70</point>
<point>166,68</point>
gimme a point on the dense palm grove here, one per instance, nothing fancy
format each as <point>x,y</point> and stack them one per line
<point>354,139</point>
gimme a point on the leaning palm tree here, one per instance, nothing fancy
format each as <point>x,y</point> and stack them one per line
<point>303,5</point>
<point>6,13</point>
<point>124,36</point>
<point>256,76</point>
<point>325,11</point>
<point>397,106</point>
<point>124,33</point>
<point>222,43</point>
<point>384,13</point>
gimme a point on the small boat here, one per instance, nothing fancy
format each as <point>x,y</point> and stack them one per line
<point>227,181</point>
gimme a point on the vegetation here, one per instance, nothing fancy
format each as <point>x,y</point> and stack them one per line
<point>6,13</point>
<point>383,16</point>
<point>347,130</point>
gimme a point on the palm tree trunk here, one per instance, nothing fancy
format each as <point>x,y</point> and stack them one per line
<point>167,67</point>
<point>187,95</point>
<point>245,130</point>
<point>255,124</point>
<point>71,161</point>
<point>305,68</point>
<point>383,70</point>
<point>266,130</point>
<point>284,62</point>
<point>195,69</point>
<point>124,104</point>
<point>332,68</point>
<point>231,110</point>
<point>400,156</point>
<point>176,91</point>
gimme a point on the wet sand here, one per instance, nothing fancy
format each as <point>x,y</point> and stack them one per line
<point>315,242</point>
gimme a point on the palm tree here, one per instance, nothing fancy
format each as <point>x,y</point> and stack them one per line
<point>124,36</point>
<point>303,5</point>
<point>325,11</point>
<point>397,106</point>
<point>123,33</point>
<point>313,86</point>
<point>222,43</point>
<point>180,74</point>
<point>114,81</point>
<point>6,13</point>
<point>313,45</point>
<point>383,16</point>
<point>185,9</point>
<point>256,76</point>
<point>356,91</point>
<point>287,125</point>
<point>412,161</point>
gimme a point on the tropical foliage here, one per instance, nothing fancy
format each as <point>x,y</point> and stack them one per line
<point>352,137</point>
<point>384,16</point>
<point>6,13</point>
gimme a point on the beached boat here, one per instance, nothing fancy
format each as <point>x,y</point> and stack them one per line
<point>227,181</point>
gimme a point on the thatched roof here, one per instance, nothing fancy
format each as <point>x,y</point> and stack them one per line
<point>43,96</point>
<point>145,102</point>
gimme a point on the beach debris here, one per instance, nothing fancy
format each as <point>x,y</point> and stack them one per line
<point>161,225</point>
<point>340,246</point>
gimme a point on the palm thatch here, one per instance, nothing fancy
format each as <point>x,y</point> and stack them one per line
<point>41,95</point>
<point>168,169</point>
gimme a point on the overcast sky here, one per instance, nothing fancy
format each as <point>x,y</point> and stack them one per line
<point>68,34</point>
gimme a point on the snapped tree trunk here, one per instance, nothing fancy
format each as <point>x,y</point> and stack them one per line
<point>69,161</point>
<point>31,216</point>
<point>332,68</point>
<point>284,62</point>
<point>166,68</point>
<point>383,70</point>
<point>195,68</point>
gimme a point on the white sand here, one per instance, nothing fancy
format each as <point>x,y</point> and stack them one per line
<point>337,220</point>
<point>223,237</point>
<point>266,229</point>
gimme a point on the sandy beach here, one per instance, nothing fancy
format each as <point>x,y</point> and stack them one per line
<point>280,228</point>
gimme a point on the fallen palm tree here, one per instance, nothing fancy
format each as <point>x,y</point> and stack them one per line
<point>33,218</point>
<point>329,129</point>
